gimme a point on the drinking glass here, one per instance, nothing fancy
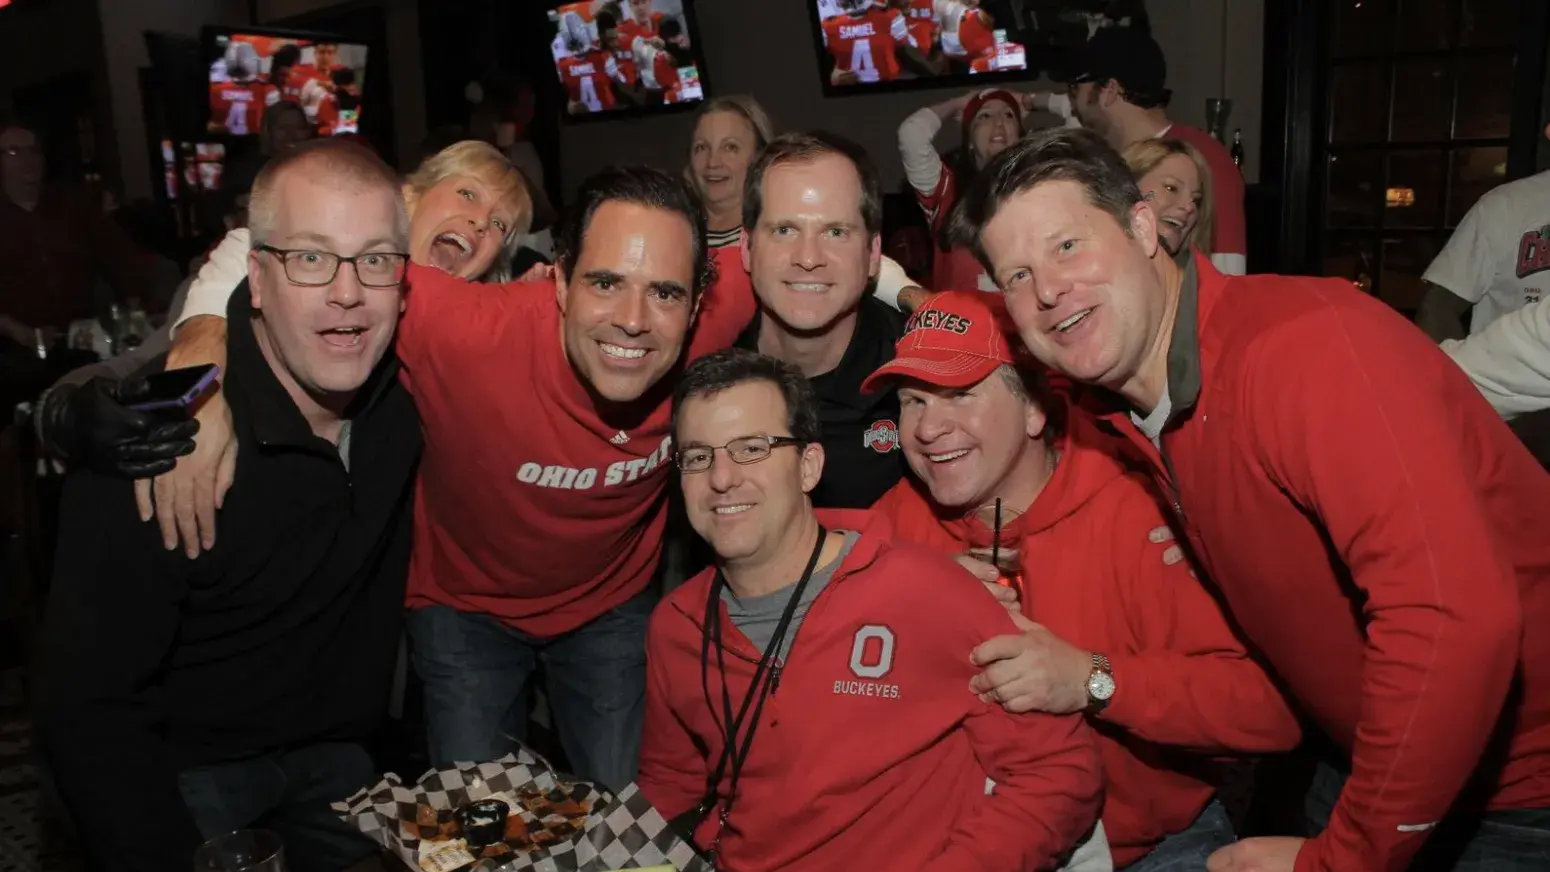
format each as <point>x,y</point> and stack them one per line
<point>241,851</point>
<point>1006,562</point>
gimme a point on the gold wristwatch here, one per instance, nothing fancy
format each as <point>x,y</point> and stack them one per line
<point>1100,684</point>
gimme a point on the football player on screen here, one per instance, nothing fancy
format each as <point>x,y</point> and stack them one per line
<point>588,74</point>
<point>871,44</point>
<point>641,23</point>
<point>237,104</point>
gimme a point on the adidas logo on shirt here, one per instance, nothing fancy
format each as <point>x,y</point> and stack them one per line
<point>619,438</point>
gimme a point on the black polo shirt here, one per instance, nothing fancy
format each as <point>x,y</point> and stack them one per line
<point>862,459</point>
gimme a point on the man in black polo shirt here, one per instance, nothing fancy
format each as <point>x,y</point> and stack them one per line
<point>181,699</point>
<point>812,206</point>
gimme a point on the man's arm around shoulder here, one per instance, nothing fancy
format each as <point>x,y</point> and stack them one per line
<point>112,618</point>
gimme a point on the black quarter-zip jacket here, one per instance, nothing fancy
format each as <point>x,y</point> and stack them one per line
<point>284,634</point>
<point>862,455</point>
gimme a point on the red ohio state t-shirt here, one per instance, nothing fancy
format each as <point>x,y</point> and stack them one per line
<point>530,506</point>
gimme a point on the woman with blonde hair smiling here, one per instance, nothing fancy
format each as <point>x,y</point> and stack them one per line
<point>1174,178</point>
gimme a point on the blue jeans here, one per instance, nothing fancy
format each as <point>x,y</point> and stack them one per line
<point>475,671</point>
<point>1498,841</point>
<point>1188,849</point>
<point>288,792</point>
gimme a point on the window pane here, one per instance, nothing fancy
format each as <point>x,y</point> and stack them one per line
<point>1351,256</point>
<point>1362,28</point>
<point>1423,100</point>
<point>1489,22</point>
<point>1355,189</point>
<point>1475,171</point>
<point>1358,103</point>
<point>1404,260</point>
<point>1414,194</point>
<point>1424,25</point>
<point>1485,98</point>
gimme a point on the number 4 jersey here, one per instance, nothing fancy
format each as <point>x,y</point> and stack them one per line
<point>865,43</point>
<point>588,79</point>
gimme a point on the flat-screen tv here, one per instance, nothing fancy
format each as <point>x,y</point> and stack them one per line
<point>865,46</point>
<point>619,57</point>
<point>251,69</point>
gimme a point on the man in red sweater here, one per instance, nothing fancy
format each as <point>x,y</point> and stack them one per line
<point>876,756</point>
<point>1373,526</point>
<point>1109,628</point>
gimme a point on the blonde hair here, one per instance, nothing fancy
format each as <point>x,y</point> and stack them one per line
<point>343,162</point>
<point>1144,156</point>
<point>745,107</point>
<point>483,161</point>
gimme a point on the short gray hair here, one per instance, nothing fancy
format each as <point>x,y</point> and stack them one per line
<point>344,162</point>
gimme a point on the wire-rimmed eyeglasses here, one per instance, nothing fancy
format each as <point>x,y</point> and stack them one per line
<point>743,450</point>
<point>311,268</point>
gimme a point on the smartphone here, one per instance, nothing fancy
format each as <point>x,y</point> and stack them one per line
<point>175,388</point>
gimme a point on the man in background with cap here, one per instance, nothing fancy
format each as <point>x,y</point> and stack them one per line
<point>1107,629</point>
<point>1118,91</point>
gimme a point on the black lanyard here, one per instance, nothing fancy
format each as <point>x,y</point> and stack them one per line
<point>765,677</point>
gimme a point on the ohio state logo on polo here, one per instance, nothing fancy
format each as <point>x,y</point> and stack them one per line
<point>871,659</point>
<point>882,437</point>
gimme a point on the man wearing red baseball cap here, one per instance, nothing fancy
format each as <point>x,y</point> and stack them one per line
<point>1006,471</point>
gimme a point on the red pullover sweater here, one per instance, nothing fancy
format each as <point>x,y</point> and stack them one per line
<point>530,506</point>
<point>1184,683</point>
<point>1375,530</point>
<point>872,752</point>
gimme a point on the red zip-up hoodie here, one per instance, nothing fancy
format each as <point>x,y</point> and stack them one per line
<point>1376,531</point>
<point>872,753</point>
<point>1183,681</point>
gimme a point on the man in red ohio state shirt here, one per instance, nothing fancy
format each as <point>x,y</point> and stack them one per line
<point>540,511</point>
<point>1143,649</point>
<point>1374,529</point>
<point>859,745</point>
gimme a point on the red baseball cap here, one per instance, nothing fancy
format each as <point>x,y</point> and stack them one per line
<point>955,340</point>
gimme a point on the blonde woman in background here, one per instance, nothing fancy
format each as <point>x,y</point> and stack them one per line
<point>728,133</point>
<point>1174,178</point>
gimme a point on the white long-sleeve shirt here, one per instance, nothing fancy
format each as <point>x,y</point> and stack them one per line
<point>1509,360</point>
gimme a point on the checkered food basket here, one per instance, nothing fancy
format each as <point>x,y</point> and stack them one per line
<point>555,826</point>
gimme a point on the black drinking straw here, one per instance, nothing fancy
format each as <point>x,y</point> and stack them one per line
<point>995,540</point>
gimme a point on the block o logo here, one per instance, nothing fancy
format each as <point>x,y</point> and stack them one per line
<point>871,655</point>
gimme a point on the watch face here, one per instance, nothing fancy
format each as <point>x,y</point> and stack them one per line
<point>1100,686</point>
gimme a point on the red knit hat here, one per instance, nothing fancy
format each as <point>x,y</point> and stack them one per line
<point>978,101</point>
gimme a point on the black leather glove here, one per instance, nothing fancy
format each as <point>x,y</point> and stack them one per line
<point>91,425</point>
